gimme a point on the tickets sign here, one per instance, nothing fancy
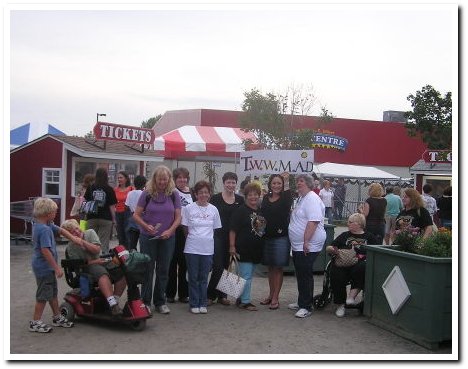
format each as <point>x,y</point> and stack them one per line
<point>117,132</point>
<point>437,156</point>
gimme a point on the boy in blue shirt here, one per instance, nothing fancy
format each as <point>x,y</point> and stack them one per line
<point>45,264</point>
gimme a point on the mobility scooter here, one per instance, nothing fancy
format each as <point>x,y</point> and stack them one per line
<point>85,300</point>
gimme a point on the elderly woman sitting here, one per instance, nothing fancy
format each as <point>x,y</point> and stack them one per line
<point>102,271</point>
<point>354,238</point>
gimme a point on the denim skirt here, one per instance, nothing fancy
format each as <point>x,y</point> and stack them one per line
<point>276,251</point>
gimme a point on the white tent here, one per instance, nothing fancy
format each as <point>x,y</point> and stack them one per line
<point>352,171</point>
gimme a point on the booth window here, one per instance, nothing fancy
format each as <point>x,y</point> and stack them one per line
<point>51,182</point>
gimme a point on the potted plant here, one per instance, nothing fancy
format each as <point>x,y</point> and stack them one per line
<point>426,269</point>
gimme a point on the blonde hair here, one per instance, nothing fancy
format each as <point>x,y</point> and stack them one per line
<point>70,224</point>
<point>160,170</point>
<point>44,206</point>
<point>359,219</point>
<point>416,200</point>
<point>375,190</point>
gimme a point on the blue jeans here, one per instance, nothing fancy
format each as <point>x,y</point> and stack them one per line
<point>160,252</point>
<point>246,271</point>
<point>304,265</point>
<point>329,214</point>
<point>198,267</point>
<point>121,226</point>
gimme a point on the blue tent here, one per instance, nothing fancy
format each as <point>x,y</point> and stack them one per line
<point>29,132</point>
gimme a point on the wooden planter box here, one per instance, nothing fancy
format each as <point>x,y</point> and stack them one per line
<point>426,317</point>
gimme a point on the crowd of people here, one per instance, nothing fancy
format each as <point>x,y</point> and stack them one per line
<point>190,232</point>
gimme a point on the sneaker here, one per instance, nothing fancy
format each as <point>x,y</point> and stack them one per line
<point>39,326</point>
<point>163,309</point>
<point>116,310</point>
<point>340,311</point>
<point>293,306</point>
<point>195,310</point>
<point>61,321</point>
<point>350,301</point>
<point>203,310</point>
<point>303,313</point>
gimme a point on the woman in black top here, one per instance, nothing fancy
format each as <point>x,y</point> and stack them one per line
<point>445,208</point>
<point>246,240</point>
<point>276,208</point>
<point>104,195</point>
<point>226,202</point>
<point>374,210</point>
<point>414,213</point>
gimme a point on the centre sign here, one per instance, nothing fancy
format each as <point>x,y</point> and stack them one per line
<point>117,132</point>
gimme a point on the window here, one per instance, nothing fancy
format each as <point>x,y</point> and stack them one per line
<point>439,183</point>
<point>51,182</point>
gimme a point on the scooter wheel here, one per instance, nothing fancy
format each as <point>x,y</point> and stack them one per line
<point>138,325</point>
<point>318,302</point>
<point>66,309</point>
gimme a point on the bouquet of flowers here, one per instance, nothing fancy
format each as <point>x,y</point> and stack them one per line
<point>406,238</point>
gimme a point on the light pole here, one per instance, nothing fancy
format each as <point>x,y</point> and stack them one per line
<point>99,115</point>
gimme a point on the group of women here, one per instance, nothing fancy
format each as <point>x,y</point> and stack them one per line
<point>193,231</point>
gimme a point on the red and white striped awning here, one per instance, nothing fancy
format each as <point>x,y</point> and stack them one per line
<point>202,139</point>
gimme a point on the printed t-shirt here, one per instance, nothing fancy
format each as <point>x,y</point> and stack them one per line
<point>416,217</point>
<point>346,240</point>
<point>95,193</point>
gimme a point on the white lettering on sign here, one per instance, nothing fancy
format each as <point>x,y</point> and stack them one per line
<point>109,131</point>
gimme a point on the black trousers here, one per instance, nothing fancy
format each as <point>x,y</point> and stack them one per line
<point>341,276</point>
<point>220,262</point>
<point>177,283</point>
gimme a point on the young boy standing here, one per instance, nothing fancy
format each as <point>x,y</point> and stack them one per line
<point>45,264</point>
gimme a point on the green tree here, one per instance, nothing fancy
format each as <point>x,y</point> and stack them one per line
<point>90,135</point>
<point>149,123</point>
<point>210,173</point>
<point>431,117</point>
<point>273,117</point>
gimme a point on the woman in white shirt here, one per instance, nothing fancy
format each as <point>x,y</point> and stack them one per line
<point>326,194</point>
<point>307,236</point>
<point>200,219</point>
<point>132,230</point>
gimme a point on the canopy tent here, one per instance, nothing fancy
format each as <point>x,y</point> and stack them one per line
<point>29,132</point>
<point>188,141</point>
<point>352,171</point>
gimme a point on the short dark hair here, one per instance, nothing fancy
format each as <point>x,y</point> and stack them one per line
<point>127,177</point>
<point>427,188</point>
<point>389,189</point>
<point>202,184</point>
<point>139,182</point>
<point>181,172</point>
<point>229,175</point>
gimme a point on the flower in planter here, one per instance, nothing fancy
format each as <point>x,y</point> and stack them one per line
<point>438,244</point>
<point>406,238</point>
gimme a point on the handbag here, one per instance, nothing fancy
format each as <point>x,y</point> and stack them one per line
<point>346,258</point>
<point>230,283</point>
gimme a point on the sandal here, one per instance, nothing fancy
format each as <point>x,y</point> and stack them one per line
<point>248,307</point>
<point>274,306</point>
<point>266,301</point>
<point>224,301</point>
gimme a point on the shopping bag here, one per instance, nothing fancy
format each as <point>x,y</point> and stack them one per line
<point>231,283</point>
<point>75,210</point>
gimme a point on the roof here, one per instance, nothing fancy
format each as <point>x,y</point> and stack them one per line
<point>201,139</point>
<point>423,167</point>
<point>352,171</point>
<point>29,132</point>
<point>112,150</point>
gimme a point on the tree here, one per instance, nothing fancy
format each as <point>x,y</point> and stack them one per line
<point>273,117</point>
<point>150,122</point>
<point>210,173</point>
<point>431,117</point>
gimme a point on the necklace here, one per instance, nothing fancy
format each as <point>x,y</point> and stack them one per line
<point>202,211</point>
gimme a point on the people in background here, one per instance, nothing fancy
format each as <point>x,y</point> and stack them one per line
<point>394,206</point>
<point>276,207</point>
<point>414,213</point>
<point>227,201</point>
<point>121,211</point>
<point>243,184</point>
<point>354,238</point>
<point>177,283</point>
<point>199,219</point>
<point>246,241</point>
<point>307,236</point>
<point>429,202</point>
<point>132,230</point>
<point>103,221</point>
<point>158,214</point>
<point>316,187</point>
<point>445,208</point>
<point>374,210</point>
<point>339,198</point>
<point>327,196</point>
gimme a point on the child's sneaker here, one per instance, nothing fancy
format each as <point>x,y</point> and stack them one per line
<point>39,326</point>
<point>61,321</point>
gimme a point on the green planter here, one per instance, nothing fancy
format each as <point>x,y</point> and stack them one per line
<point>426,317</point>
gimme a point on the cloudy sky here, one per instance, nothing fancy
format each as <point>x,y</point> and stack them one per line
<point>68,65</point>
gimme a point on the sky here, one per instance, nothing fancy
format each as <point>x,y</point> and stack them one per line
<point>65,66</point>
